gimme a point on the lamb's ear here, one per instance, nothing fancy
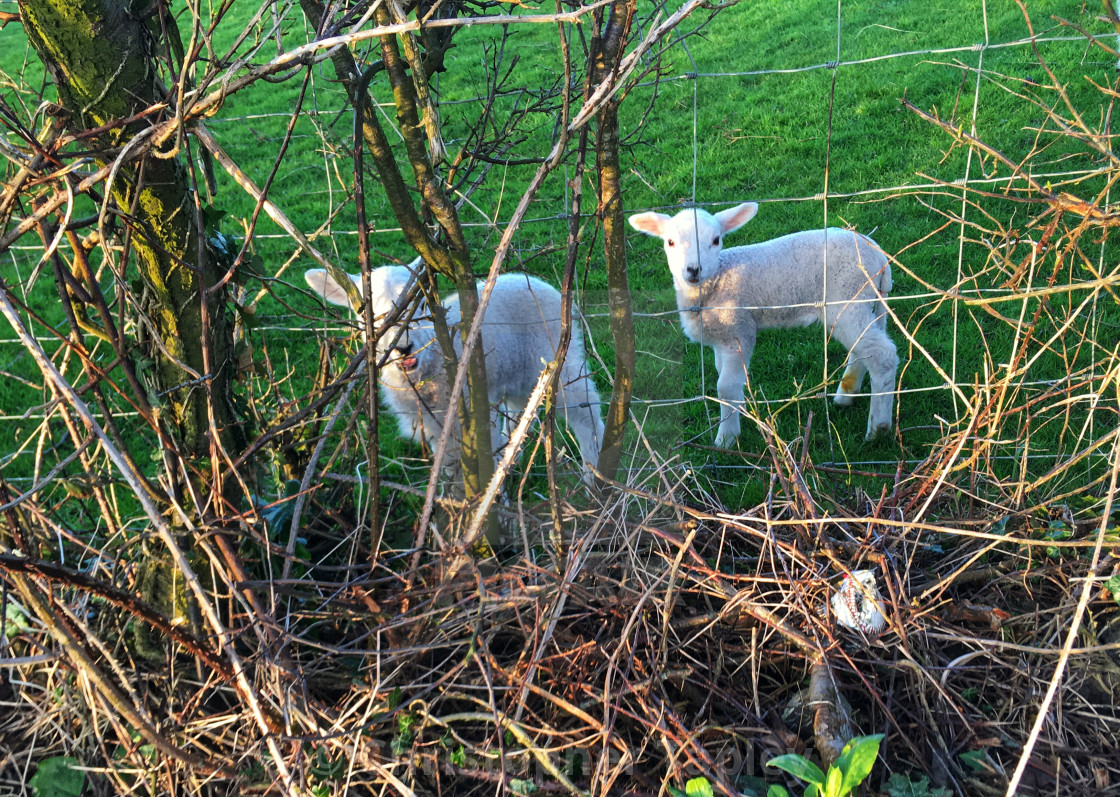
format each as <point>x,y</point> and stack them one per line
<point>734,218</point>
<point>323,284</point>
<point>650,223</point>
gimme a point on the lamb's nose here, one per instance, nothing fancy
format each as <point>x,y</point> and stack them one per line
<point>405,349</point>
<point>693,272</point>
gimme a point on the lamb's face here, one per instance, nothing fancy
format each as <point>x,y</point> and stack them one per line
<point>693,239</point>
<point>413,350</point>
<point>407,344</point>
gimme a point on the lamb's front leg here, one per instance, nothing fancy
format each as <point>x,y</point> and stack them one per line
<point>732,360</point>
<point>882,362</point>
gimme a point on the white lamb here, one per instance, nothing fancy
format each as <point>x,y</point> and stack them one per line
<point>520,334</point>
<point>725,296</point>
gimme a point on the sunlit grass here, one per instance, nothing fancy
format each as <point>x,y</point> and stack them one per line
<point>715,139</point>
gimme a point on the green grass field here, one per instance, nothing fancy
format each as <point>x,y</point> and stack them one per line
<point>747,109</point>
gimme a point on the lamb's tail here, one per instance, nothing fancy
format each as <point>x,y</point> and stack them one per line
<point>880,277</point>
<point>884,282</point>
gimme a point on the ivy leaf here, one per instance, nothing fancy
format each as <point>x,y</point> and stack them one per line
<point>975,759</point>
<point>17,621</point>
<point>751,786</point>
<point>900,785</point>
<point>212,216</point>
<point>459,756</point>
<point>57,777</point>
<point>278,514</point>
<point>395,698</point>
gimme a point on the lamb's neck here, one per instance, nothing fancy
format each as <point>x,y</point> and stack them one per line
<point>688,306</point>
<point>688,299</point>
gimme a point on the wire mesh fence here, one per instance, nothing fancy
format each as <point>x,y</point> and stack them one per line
<point>970,284</point>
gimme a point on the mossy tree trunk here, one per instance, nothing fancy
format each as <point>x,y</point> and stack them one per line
<point>101,55</point>
<point>607,50</point>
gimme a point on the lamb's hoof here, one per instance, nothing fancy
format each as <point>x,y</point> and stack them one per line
<point>843,399</point>
<point>877,431</point>
<point>726,440</point>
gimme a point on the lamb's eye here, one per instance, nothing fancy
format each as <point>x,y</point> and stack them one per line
<point>670,242</point>
<point>715,241</point>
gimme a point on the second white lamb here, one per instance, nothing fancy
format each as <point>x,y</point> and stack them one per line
<point>724,296</point>
<point>520,334</point>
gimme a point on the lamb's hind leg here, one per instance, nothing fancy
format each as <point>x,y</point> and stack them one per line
<point>731,362</point>
<point>879,354</point>
<point>852,381</point>
<point>578,404</point>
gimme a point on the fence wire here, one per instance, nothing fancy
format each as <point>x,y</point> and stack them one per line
<point>963,289</point>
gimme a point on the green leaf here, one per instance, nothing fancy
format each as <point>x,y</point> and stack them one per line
<point>405,722</point>
<point>698,787</point>
<point>856,761</point>
<point>277,514</point>
<point>777,791</point>
<point>900,785</point>
<point>395,698</point>
<point>212,216</point>
<point>522,786</point>
<point>1057,530</point>
<point>575,765</point>
<point>1113,585</point>
<point>675,792</point>
<point>459,756</point>
<point>750,785</point>
<point>976,760</point>
<point>400,744</point>
<point>56,777</point>
<point>17,621</point>
<point>833,781</point>
<point>798,766</point>
<point>324,769</point>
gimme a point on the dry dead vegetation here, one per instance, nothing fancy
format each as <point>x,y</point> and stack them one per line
<point>623,642</point>
<point>668,638</point>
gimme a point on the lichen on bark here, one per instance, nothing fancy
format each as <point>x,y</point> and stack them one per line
<point>100,55</point>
